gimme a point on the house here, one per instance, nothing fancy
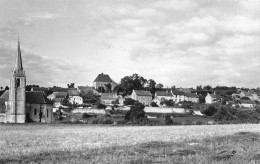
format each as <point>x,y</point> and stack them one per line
<point>103,80</point>
<point>108,98</point>
<point>232,103</point>
<point>211,98</point>
<point>247,103</point>
<point>250,94</point>
<point>178,96</point>
<point>161,96</point>
<point>85,89</point>
<point>144,97</point>
<point>74,97</point>
<point>57,98</point>
<point>193,97</point>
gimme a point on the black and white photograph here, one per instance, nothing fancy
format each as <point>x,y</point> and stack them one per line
<point>129,81</point>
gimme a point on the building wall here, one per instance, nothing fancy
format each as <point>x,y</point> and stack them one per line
<point>99,84</point>
<point>76,100</point>
<point>33,111</point>
<point>146,100</point>
<point>208,99</point>
<point>16,111</point>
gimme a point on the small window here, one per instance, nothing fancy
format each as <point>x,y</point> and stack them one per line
<point>47,113</point>
<point>17,83</point>
<point>35,111</point>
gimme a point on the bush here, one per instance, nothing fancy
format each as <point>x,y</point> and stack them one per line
<point>85,115</point>
<point>153,104</point>
<point>101,106</point>
<point>168,120</point>
<point>210,111</point>
<point>136,112</point>
<point>129,101</point>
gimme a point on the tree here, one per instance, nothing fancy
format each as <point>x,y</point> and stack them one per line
<point>210,111</point>
<point>136,113</point>
<point>6,88</point>
<point>167,103</point>
<point>89,97</point>
<point>207,87</point>
<point>129,83</point>
<point>129,101</point>
<point>108,87</point>
<point>1,88</point>
<point>151,85</point>
<point>159,86</point>
<point>199,87</point>
<point>71,85</point>
<point>201,99</point>
<point>101,89</point>
<point>153,104</point>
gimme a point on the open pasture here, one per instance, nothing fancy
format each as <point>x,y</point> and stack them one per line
<point>64,143</point>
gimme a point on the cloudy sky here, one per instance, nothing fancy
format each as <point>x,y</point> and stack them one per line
<point>175,42</point>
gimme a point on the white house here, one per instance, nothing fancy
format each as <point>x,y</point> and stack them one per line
<point>179,96</point>
<point>211,98</point>
<point>247,103</point>
<point>74,97</point>
<point>162,95</point>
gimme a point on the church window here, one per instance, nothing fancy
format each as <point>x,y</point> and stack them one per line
<point>17,82</point>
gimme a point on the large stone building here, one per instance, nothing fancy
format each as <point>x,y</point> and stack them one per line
<point>102,80</point>
<point>22,106</point>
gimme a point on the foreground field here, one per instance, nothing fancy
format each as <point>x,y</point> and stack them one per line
<point>107,144</point>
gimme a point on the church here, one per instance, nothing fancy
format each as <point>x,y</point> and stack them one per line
<point>24,106</point>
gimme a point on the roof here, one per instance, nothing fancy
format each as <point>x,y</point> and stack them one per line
<point>36,97</point>
<point>163,93</point>
<point>247,102</point>
<point>231,102</point>
<point>109,96</point>
<point>185,90</point>
<point>85,88</point>
<point>2,92</point>
<point>142,93</point>
<point>61,95</point>
<point>103,78</point>
<point>192,95</point>
<point>73,93</point>
<point>5,95</point>
<point>39,89</point>
<point>178,92</point>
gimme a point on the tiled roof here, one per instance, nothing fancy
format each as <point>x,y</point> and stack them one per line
<point>247,102</point>
<point>61,95</point>
<point>103,78</point>
<point>178,92</point>
<point>73,93</point>
<point>142,93</point>
<point>36,97</point>
<point>163,93</point>
<point>108,95</point>
<point>192,95</point>
<point>86,88</point>
<point>5,95</point>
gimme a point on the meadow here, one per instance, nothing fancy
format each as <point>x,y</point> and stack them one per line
<point>73,143</point>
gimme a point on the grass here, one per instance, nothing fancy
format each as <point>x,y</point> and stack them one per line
<point>58,143</point>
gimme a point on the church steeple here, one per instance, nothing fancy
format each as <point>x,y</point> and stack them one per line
<point>18,68</point>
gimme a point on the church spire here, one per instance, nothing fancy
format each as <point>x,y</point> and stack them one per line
<point>18,65</point>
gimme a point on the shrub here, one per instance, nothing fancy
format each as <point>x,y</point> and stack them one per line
<point>129,101</point>
<point>101,106</point>
<point>136,112</point>
<point>85,115</point>
<point>168,120</point>
<point>210,111</point>
<point>153,104</point>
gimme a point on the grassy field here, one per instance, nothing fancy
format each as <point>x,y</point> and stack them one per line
<point>64,143</point>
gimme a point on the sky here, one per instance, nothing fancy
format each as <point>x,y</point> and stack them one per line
<point>184,43</point>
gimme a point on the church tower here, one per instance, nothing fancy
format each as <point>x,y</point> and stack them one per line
<point>17,106</point>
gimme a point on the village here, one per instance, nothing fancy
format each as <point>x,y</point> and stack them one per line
<point>31,103</point>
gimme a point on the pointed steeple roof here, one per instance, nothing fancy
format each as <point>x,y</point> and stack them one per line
<point>19,64</point>
<point>18,68</point>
